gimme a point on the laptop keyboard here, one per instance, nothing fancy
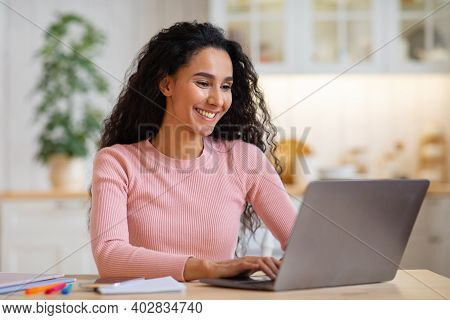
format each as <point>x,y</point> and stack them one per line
<point>254,279</point>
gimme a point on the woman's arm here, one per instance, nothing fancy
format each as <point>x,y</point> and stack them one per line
<point>196,269</point>
<point>265,191</point>
<point>112,251</point>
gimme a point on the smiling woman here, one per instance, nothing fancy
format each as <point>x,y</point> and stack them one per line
<point>182,166</point>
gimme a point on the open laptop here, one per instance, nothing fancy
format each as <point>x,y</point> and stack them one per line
<point>347,232</point>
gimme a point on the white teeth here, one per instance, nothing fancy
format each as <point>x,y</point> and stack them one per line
<point>206,114</point>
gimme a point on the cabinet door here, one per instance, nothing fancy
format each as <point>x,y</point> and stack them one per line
<point>46,236</point>
<point>422,31</point>
<point>429,244</point>
<point>260,26</point>
<point>440,235</point>
<point>343,33</point>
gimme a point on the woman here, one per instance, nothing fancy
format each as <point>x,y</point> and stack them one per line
<point>181,162</point>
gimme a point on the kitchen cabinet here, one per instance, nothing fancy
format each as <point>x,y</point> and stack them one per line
<point>424,46</point>
<point>45,232</point>
<point>259,26</point>
<point>429,245</point>
<point>289,36</point>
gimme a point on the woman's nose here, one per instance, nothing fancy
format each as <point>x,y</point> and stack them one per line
<point>215,97</point>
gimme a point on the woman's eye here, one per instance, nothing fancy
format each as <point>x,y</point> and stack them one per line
<point>205,84</point>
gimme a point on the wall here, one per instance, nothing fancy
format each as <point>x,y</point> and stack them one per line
<point>355,110</point>
<point>128,26</point>
<point>4,74</point>
<point>371,111</point>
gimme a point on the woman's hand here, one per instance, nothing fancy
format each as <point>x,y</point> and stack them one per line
<point>245,266</point>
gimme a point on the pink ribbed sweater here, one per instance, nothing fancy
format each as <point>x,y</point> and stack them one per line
<point>150,212</point>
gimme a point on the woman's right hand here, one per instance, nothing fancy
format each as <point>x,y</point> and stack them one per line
<point>245,266</point>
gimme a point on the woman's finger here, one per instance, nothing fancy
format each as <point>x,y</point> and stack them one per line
<point>243,267</point>
<point>277,262</point>
<point>271,264</point>
<point>268,265</point>
<point>268,271</point>
<point>248,269</point>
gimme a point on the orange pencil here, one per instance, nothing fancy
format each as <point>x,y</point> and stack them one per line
<point>40,289</point>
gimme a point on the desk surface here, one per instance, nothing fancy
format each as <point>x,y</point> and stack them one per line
<point>410,284</point>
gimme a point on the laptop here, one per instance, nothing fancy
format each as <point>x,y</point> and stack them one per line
<point>347,232</point>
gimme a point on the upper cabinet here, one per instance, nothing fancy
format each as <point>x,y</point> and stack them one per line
<point>259,26</point>
<point>424,44</point>
<point>283,36</point>
<point>341,34</point>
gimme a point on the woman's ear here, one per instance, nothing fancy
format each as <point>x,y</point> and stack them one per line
<point>165,85</point>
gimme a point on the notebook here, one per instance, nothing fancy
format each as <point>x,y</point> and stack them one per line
<point>8,279</point>
<point>166,284</point>
<point>12,282</point>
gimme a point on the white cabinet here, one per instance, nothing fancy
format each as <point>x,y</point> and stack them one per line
<point>298,36</point>
<point>45,235</point>
<point>424,44</point>
<point>429,245</point>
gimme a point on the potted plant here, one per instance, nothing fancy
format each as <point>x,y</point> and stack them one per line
<point>69,81</point>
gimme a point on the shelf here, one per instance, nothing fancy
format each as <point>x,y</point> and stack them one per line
<point>41,195</point>
<point>435,189</point>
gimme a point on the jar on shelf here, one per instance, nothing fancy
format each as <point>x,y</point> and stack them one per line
<point>433,154</point>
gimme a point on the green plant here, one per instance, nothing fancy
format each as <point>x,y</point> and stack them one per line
<point>67,85</point>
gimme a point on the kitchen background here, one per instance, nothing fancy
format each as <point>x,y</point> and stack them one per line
<point>386,116</point>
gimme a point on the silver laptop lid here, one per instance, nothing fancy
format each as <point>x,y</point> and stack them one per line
<point>350,232</point>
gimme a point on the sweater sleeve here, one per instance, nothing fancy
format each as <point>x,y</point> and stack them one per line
<point>265,191</point>
<point>112,251</point>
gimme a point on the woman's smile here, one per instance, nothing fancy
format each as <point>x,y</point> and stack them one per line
<point>206,115</point>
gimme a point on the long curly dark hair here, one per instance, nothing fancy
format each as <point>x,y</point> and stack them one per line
<point>142,102</point>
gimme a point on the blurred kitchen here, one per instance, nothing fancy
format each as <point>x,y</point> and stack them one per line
<point>357,88</point>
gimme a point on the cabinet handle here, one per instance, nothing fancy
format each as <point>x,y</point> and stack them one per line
<point>434,239</point>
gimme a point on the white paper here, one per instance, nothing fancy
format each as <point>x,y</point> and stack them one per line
<point>166,284</point>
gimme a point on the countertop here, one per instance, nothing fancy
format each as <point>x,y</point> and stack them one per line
<point>436,189</point>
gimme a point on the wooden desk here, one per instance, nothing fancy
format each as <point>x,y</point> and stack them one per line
<point>412,284</point>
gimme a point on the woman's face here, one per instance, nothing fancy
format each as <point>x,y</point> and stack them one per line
<point>203,85</point>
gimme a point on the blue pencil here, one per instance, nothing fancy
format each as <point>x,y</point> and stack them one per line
<point>67,289</point>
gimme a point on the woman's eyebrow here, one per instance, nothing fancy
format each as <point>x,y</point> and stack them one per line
<point>208,75</point>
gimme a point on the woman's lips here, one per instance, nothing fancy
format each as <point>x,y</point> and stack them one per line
<point>205,117</point>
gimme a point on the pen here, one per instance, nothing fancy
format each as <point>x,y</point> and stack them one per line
<point>40,289</point>
<point>55,288</point>
<point>67,289</point>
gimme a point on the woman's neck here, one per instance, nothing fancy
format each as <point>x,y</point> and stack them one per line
<point>179,145</point>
